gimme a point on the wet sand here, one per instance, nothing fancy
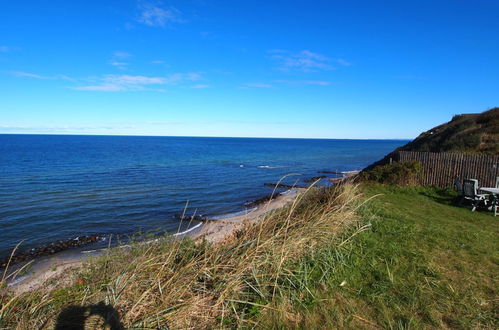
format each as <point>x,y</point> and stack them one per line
<point>218,230</point>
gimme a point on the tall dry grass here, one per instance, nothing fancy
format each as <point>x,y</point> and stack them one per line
<point>185,284</point>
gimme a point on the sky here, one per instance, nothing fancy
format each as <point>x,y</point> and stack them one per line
<point>299,69</point>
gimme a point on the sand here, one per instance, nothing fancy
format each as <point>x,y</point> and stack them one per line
<point>217,230</point>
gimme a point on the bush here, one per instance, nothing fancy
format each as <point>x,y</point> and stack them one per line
<point>400,174</point>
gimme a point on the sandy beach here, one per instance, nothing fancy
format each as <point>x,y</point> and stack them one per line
<point>218,230</point>
<point>214,231</point>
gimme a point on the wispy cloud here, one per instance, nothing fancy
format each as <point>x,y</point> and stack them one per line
<point>5,49</point>
<point>27,75</point>
<point>22,74</point>
<point>304,82</point>
<point>63,129</point>
<point>343,62</point>
<point>121,55</point>
<point>158,62</point>
<point>156,16</point>
<point>119,65</point>
<point>410,77</point>
<point>280,82</point>
<point>118,83</point>
<point>258,85</point>
<point>118,58</point>
<point>305,61</point>
<point>121,82</point>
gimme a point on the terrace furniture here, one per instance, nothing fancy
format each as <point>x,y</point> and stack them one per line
<point>494,197</point>
<point>458,186</point>
<point>470,192</point>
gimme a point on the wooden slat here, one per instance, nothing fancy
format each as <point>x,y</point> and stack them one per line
<point>440,169</point>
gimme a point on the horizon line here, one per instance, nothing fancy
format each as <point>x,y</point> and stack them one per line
<point>206,136</point>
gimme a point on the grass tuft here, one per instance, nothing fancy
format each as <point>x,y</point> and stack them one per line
<point>184,284</point>
<point>391,257</point>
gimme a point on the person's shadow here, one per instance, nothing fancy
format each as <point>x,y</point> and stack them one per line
<point>98,316</point>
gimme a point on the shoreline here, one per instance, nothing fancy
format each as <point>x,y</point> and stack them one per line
<point>214,231</point>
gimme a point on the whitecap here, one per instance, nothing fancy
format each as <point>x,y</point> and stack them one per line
<point>188,230</point>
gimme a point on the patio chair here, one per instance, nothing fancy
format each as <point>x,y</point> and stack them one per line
<point>470,192</point>
<point>458,186</point>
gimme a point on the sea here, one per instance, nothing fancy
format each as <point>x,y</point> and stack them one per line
<point>59,187</point>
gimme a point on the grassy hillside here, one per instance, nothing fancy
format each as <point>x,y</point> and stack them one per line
<point>341,257</point>
<point>467,133</point>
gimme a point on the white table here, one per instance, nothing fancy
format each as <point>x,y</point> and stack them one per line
<point>495,193</point>
<point>490,190</point>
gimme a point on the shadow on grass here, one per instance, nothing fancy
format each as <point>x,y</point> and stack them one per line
<point>450,197</point>
<point>98,316</point>
<point>443,196</point>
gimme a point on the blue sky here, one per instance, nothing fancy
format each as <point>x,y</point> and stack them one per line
<point>322,69</point>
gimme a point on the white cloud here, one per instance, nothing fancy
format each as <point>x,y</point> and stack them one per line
<point>105,87</point>
<point>181,77</point>
<point>27,75</point>
<point>200,86</point>
<point>119,65</point>
<point>258,85</point>
<point>343,62</point>
<point>305,61</point>
<point>117,83</point>
<point>134,80</point>
<point>118,60</point>
<point>158,62</point>
<point>5,49</point>
<point>122,55</point>
<point>156,16</point>
<point>304,82</point>
<point>22,74</point>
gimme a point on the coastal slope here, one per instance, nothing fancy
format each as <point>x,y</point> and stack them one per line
<point>476,133</point>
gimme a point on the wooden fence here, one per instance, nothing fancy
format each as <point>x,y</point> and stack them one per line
<point>441,169</point>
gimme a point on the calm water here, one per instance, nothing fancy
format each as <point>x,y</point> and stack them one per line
<point>59,187</point>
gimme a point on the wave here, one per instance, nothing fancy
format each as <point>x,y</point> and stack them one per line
<point>188,230</point>
<point>269,166</point>
<point>350,172</point>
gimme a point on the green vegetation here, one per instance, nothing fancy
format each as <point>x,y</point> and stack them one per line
<point>468,133</point>
<point>391,257</point>
<point>180,284</point>
<point>402,174</point>
<point>471,133</point>
<point>424,263</point>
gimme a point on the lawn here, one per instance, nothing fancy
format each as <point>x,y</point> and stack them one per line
<point>423,263</point>
<point>372,256</point>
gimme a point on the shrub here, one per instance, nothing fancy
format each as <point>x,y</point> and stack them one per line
<point>401,174</point>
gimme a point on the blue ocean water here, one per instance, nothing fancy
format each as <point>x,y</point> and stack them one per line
<point>55,187</point>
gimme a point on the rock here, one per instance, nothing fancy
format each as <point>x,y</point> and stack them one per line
<point>316,178</point>
<point>50,249</point>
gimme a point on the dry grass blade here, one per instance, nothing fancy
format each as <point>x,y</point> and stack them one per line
<point>186,284</point>
<point>10,260</point>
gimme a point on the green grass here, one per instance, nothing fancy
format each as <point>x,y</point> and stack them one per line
<point>391,257</point>
<point>424,263</point>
